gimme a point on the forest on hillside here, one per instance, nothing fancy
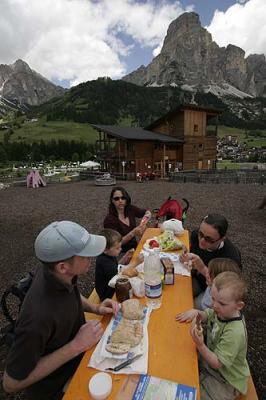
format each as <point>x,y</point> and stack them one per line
<point>106,101</point>
<point>52,150</point>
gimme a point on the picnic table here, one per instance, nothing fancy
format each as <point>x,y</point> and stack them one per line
<point>172,352</point>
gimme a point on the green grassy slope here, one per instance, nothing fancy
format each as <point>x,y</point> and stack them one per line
<point>252,141</point>
<point>52,130</point>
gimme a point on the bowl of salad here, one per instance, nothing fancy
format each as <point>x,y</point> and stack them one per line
<point>168,241</point>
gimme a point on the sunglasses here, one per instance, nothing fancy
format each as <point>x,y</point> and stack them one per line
<point>207,238</point>
<point>117,198</point>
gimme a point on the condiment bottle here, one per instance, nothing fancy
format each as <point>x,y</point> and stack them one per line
<point>146,218</point>
<point>169,271</point>
<point>123,289</point>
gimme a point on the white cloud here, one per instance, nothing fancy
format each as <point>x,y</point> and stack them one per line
<point>243,25</point>
<point>80,40</point>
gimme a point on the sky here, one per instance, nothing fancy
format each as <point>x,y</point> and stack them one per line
<point>73,41</point>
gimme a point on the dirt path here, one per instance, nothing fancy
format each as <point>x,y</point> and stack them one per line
<point>24,212</point>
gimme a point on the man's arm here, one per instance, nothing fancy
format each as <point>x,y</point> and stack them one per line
<point>88,335</point>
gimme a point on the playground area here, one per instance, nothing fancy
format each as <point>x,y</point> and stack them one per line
<point>25,211</point>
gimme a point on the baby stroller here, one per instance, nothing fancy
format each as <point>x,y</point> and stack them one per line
<point>171,209</point>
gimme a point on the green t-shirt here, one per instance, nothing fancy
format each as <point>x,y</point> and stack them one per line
<point>228,340</point>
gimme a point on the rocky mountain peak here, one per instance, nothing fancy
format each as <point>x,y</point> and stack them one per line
<point>21,84</point>
<point>20,66</point>
<point>186,22</point>
<point>190,57</point>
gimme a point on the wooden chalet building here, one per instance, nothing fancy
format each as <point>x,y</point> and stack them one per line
<point>181,139</point>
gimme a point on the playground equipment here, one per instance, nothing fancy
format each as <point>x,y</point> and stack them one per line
<point>34,179</point>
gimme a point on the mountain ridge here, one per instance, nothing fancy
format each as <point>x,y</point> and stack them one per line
<point>22,85</point>
<point>189,56</point>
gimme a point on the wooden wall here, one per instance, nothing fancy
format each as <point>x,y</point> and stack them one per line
<point>194,123</point>
<point>172,127</point>
<point>197,151</point>
<point>143,156</point>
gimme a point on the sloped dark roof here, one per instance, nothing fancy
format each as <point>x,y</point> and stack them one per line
<point>133,133</point>
<point>208,110</point>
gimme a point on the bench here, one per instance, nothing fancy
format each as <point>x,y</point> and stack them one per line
<point>93,298</point>
<point>251,393</point>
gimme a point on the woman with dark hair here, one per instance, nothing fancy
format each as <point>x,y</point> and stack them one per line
<point>122,218</point>
<point>206,243</point>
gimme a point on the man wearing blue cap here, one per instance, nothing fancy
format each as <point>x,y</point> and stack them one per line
<point>51,333</point>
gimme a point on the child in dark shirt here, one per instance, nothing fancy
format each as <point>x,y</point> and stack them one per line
<point>107,264</point>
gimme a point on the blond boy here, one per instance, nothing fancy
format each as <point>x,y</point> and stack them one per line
<point>224,369</point>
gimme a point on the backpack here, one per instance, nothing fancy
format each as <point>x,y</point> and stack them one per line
<point>18,290</point>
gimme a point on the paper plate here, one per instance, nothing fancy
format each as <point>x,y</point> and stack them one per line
<point>147,247</point>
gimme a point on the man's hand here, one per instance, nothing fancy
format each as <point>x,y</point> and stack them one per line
<point>88,335</point>
<point>108,306</point>
<point>187,316</point>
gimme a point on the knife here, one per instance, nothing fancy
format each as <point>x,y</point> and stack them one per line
<point>124,364</point>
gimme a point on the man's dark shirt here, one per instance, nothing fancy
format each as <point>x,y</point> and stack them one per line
<point>50,317</point>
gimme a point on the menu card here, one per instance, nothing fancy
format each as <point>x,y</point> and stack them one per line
<point>146,387</point>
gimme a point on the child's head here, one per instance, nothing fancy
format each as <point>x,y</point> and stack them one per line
<point>113,242</point>
<point>218,265</point>
<point>228,294</point>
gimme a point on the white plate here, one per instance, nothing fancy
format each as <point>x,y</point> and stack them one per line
<point>147,247</point>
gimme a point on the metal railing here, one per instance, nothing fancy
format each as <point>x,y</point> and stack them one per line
<point>218,176</point>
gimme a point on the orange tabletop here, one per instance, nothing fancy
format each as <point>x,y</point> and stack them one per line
<point>172,353</point>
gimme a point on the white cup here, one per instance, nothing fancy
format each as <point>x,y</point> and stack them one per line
<point>100,386</point>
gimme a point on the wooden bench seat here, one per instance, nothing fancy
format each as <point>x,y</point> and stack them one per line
<point>251,393</point>
<point>93,298</point>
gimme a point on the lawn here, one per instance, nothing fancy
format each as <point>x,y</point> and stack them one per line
<point>52,130</point>
<point>228,164</point>
<point>251,141</point>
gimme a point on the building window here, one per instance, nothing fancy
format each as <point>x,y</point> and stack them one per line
<point>196,128</point>
<point>130,146</point>
<point>201,147</point>
<point>158,146</point>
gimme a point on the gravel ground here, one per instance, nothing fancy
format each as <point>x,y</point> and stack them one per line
<point>24,212</point>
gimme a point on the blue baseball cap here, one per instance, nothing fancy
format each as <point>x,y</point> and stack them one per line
<point>64,239</point>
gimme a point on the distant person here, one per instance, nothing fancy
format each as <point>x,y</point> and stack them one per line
<point>107,263</point>
<point>223,365</point>
<point>206,243</point>
<point>51,334</point>
<point>263,203</point>
<point>122,218</point>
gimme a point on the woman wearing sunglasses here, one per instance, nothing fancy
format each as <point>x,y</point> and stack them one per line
<point>206,243</point>
<point>122,218</point>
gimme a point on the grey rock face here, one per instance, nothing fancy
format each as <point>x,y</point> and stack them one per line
<point>190,56</point>
<point>19,82</point>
